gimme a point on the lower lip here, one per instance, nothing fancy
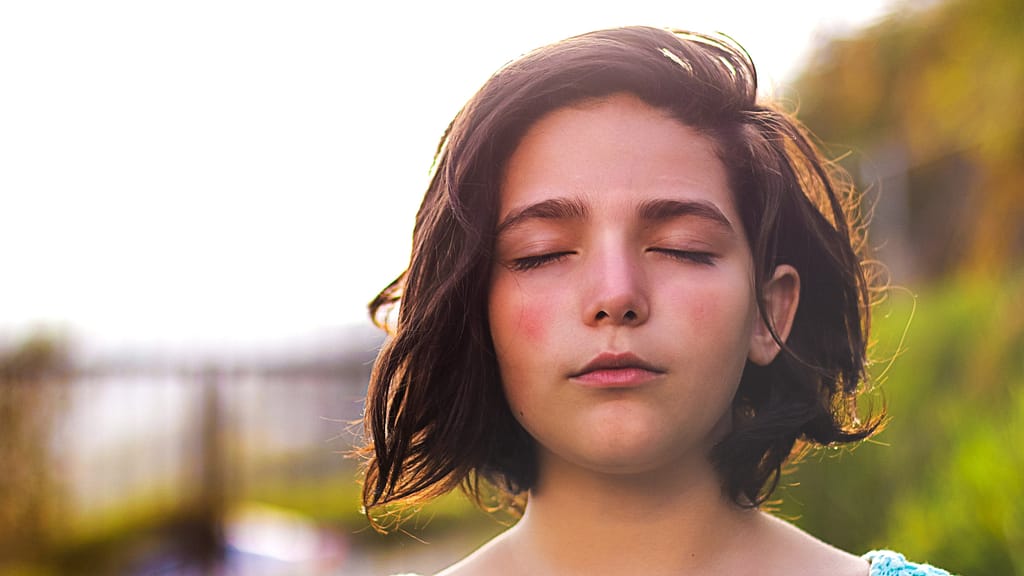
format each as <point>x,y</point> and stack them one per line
<point>616,378</point>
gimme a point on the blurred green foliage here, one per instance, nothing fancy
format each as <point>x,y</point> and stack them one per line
<point>942,482</point>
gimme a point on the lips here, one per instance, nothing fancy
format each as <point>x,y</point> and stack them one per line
<point>610,370</point>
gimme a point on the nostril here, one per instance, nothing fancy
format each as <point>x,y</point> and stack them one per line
<point>602,315</point>
<point>629,315</point>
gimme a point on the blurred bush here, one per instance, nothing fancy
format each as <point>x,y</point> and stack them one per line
<point>943,481</point>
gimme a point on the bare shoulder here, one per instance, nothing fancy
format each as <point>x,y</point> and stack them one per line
<point>805,555</point>
<point>491,559</point>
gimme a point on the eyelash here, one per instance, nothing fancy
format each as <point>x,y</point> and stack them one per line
<point>532,262</point>
<point>705,258</point>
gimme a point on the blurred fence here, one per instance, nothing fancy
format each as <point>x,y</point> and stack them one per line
<point>148,468</point>
<point>165,438</point>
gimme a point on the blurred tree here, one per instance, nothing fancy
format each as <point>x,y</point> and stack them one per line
<point>935,94</point>
<point>27,409</point>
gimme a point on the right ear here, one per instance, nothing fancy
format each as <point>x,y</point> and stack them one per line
<point>781,297</point>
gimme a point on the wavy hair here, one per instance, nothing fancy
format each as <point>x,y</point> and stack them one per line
<point>436,416</point>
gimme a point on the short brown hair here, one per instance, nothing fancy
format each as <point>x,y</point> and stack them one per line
<point>436,416</point>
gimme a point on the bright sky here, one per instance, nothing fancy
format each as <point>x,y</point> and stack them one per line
<point>229,173</point>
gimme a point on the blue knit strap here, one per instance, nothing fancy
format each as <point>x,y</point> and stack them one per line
<point>889,563</point>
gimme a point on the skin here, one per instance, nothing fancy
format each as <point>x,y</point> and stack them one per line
<point>623,312</point>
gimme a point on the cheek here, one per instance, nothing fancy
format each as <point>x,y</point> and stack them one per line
<point>720,311</point>
<point>702,309</point>
<point>517,317</point>
<point>701,302</point>
<point>534,322</point>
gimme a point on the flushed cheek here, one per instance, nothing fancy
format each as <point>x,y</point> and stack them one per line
<point>534,321</point>
<point>518,316</point>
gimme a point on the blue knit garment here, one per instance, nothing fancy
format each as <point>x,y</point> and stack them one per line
<point>889,563</point>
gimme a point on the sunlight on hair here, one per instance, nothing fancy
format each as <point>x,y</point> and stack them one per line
<point>673,57</point>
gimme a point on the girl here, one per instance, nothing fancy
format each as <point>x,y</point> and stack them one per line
<point>633,290</point>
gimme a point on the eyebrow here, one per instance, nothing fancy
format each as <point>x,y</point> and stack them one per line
<point>551,209</point>
<point>658,210</point>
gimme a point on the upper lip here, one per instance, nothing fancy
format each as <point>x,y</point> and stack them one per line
<point>612,361</point>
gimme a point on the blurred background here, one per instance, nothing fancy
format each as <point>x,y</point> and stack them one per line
<point>198,199</point>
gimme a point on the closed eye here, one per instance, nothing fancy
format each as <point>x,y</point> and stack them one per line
<point>705,258</point>
<point>531,262</point>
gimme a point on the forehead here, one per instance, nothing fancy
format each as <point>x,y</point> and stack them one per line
<point>617,152</point>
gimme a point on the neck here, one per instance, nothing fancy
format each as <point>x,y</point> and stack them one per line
<point>581,522</point>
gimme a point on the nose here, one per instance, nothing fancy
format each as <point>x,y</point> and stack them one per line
<point>615,292</point>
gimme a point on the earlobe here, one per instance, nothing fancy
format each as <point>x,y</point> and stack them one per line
<point>781,297</point>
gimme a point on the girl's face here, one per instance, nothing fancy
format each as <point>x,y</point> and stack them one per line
<point>621,304</point>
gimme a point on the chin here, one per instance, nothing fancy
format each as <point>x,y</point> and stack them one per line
<point>640,454</point>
